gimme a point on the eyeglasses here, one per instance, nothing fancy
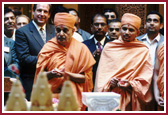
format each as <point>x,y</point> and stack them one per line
<point>97,24</point>
<point>108,16</point>
<point>58,30</point>
<point>112,29</point>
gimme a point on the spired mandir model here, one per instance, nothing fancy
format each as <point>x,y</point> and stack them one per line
<point>16,100</point>
<point>67,100</point>
<point>41,96</point>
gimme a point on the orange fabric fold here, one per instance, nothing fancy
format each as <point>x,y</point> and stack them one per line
<point>160,79</point>
<point>131,19</point>
<point>76,58</point>
<point>64,19</point>
<point>127,61</point>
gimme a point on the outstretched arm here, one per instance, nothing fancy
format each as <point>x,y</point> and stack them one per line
<point>76,77</point>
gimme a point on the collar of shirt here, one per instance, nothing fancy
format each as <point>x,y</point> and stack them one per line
<point>157,38</point>
<point>102,41</point>
<point>79,30</point>
<point>38,27</point>
<point>13,36</point>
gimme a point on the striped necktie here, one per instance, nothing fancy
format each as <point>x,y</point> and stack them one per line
<point>99,45</point>
<point>42,33</point>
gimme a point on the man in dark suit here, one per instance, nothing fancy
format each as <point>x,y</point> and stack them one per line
<point>29,41</point>
<point>10,57</point>
<point>99,28</point>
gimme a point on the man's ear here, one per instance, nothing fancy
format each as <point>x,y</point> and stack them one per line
<point>107,28</point>
<point>161,26</point>
<point>91,27</point>
<point>33,13</point>
<point>49,15</point>
<point>73,29</point>
<point>138,33</point>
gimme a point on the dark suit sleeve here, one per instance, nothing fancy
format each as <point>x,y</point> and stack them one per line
<point>14,56</point>
<point>23,51</point>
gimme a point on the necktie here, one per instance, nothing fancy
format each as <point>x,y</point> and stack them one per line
<point>99,46</point>
<point>43,36</point>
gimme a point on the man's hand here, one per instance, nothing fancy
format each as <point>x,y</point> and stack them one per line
<point>13,68</point>
<point>160,101</point>
<point>124,84</point>
<point>114,82</point>
<point>97,52</point>
<point>55,73</point>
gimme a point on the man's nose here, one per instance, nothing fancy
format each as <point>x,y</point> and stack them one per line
<point>61,32</point>
<point>152,22</point>
<point>127,31</point>
<point>10,20</point>
<point>100,26</point>
<point>22,25</point>
<point>42,12</point>
<point>110,17</point>
<point>114,31</point>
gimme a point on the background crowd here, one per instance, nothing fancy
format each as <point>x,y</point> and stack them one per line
<point>112,57</point>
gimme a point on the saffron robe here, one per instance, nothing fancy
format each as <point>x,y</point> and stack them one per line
<point>160,78</point>
<point>76,58</point>
<point>126,61</point>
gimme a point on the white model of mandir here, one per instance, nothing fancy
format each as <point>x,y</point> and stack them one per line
<point>100,101</point>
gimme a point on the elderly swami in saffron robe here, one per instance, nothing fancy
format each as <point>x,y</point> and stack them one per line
<point>62,56</point>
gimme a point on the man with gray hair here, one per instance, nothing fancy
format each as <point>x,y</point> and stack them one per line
<point>21,21</point>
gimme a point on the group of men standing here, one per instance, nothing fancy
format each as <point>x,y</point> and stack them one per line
<point>112,59</point>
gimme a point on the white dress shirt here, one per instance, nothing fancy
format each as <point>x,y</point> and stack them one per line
<point>38,28</point>
<point>101,42</point>
<point>152,45</point>
<point>13,36</point>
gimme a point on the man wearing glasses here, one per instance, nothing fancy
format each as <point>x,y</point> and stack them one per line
<point>99,28</point>
<point>114,29</point>
<point>110,14</point>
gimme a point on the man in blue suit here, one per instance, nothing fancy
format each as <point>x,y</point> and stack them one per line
<point>10,58</point>
<point>154,22</point>
<point>29,41</point>
<point>99,28</point>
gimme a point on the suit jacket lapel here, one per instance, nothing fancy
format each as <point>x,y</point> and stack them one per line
<point>92,45</point>
<point>36,34</point>
<point>106,40</point>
